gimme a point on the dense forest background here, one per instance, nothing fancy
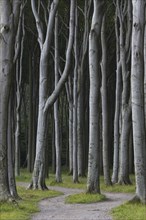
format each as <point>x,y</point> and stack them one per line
<point>73,92</point>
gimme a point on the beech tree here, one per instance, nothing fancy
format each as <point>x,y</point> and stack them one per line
<point>137,76</point>
<point>56,107</point>
<point>93,185</point>
<point>38,177</point>
<point>9,18</point>
<point>105,117</point>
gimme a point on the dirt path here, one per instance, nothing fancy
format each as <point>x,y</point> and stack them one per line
<point>56,209</point>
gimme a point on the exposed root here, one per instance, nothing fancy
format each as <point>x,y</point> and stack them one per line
<point>124,181</point>
<point>137,199</point>
<point>33,186</point>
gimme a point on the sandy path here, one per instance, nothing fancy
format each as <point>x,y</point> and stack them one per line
<point>56,209</point>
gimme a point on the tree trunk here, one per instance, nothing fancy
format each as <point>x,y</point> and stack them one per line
<point>105,121</point>
<point>117,103</point>
<point>75,144</point>
<point>56,108</point>
<point>93,185</point>
<point>81,92</point>
<point>137,77</point>
<point>70,138</point>
<point>30,118</point>
<point>9,15</point>
<point>11,151</point>
<point>45,102</point>
<point>125,51</point>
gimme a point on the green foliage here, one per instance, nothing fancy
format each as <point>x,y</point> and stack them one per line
<point>84,198</point>
<point>129,211</point>
<point>27,206</point>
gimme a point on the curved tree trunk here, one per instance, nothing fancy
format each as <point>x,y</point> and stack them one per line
<point>45,102</point>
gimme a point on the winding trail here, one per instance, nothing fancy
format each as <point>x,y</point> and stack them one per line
<point>56,209</point>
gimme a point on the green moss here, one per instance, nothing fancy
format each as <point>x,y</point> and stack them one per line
<point>84,198</point>
<point>130,211</point>
<point>25,207</point>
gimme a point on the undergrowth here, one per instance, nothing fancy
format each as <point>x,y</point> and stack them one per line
<point>84,198</point>
<point>23,209</point>
<point>127,211</point>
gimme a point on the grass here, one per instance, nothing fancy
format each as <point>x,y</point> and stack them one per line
<point>84,198</point>
<point>25,207</point>
<point>129,211</point>
<point>68,183</point>
<point>25,176</point>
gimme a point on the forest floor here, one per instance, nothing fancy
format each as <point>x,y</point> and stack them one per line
<point>57,209</point>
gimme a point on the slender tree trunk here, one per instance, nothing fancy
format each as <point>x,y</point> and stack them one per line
<point>11,152</point>
<point>56,108</point>
<point>45,102</point>
<point>70,138</point>
<point>137,77</point>
<point>17,130</point>
<point>93,185</point>
<point>105,125</point>
<point>117,106</point>
<point>30,118</point>
<point>75,144</point>
<point>19,91</point>
<point>81,92</point>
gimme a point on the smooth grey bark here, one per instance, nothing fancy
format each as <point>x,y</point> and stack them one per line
<point>30,118</point>
<point>75,79</point>
<point>69,93</point>
<point>38,178</point>
<point>125,51</point>
<point>105,121</point>
<point>56,108</point>
<point>19,56</point>
<point>11,150</point>
<point>9,16</point>
<point>53,149</point>
<point>93,185</point>
<point>137,77</point>
<point>117,105</point>
<point>17,129</point>
<point>81,114</point>
<point>70,137</point>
